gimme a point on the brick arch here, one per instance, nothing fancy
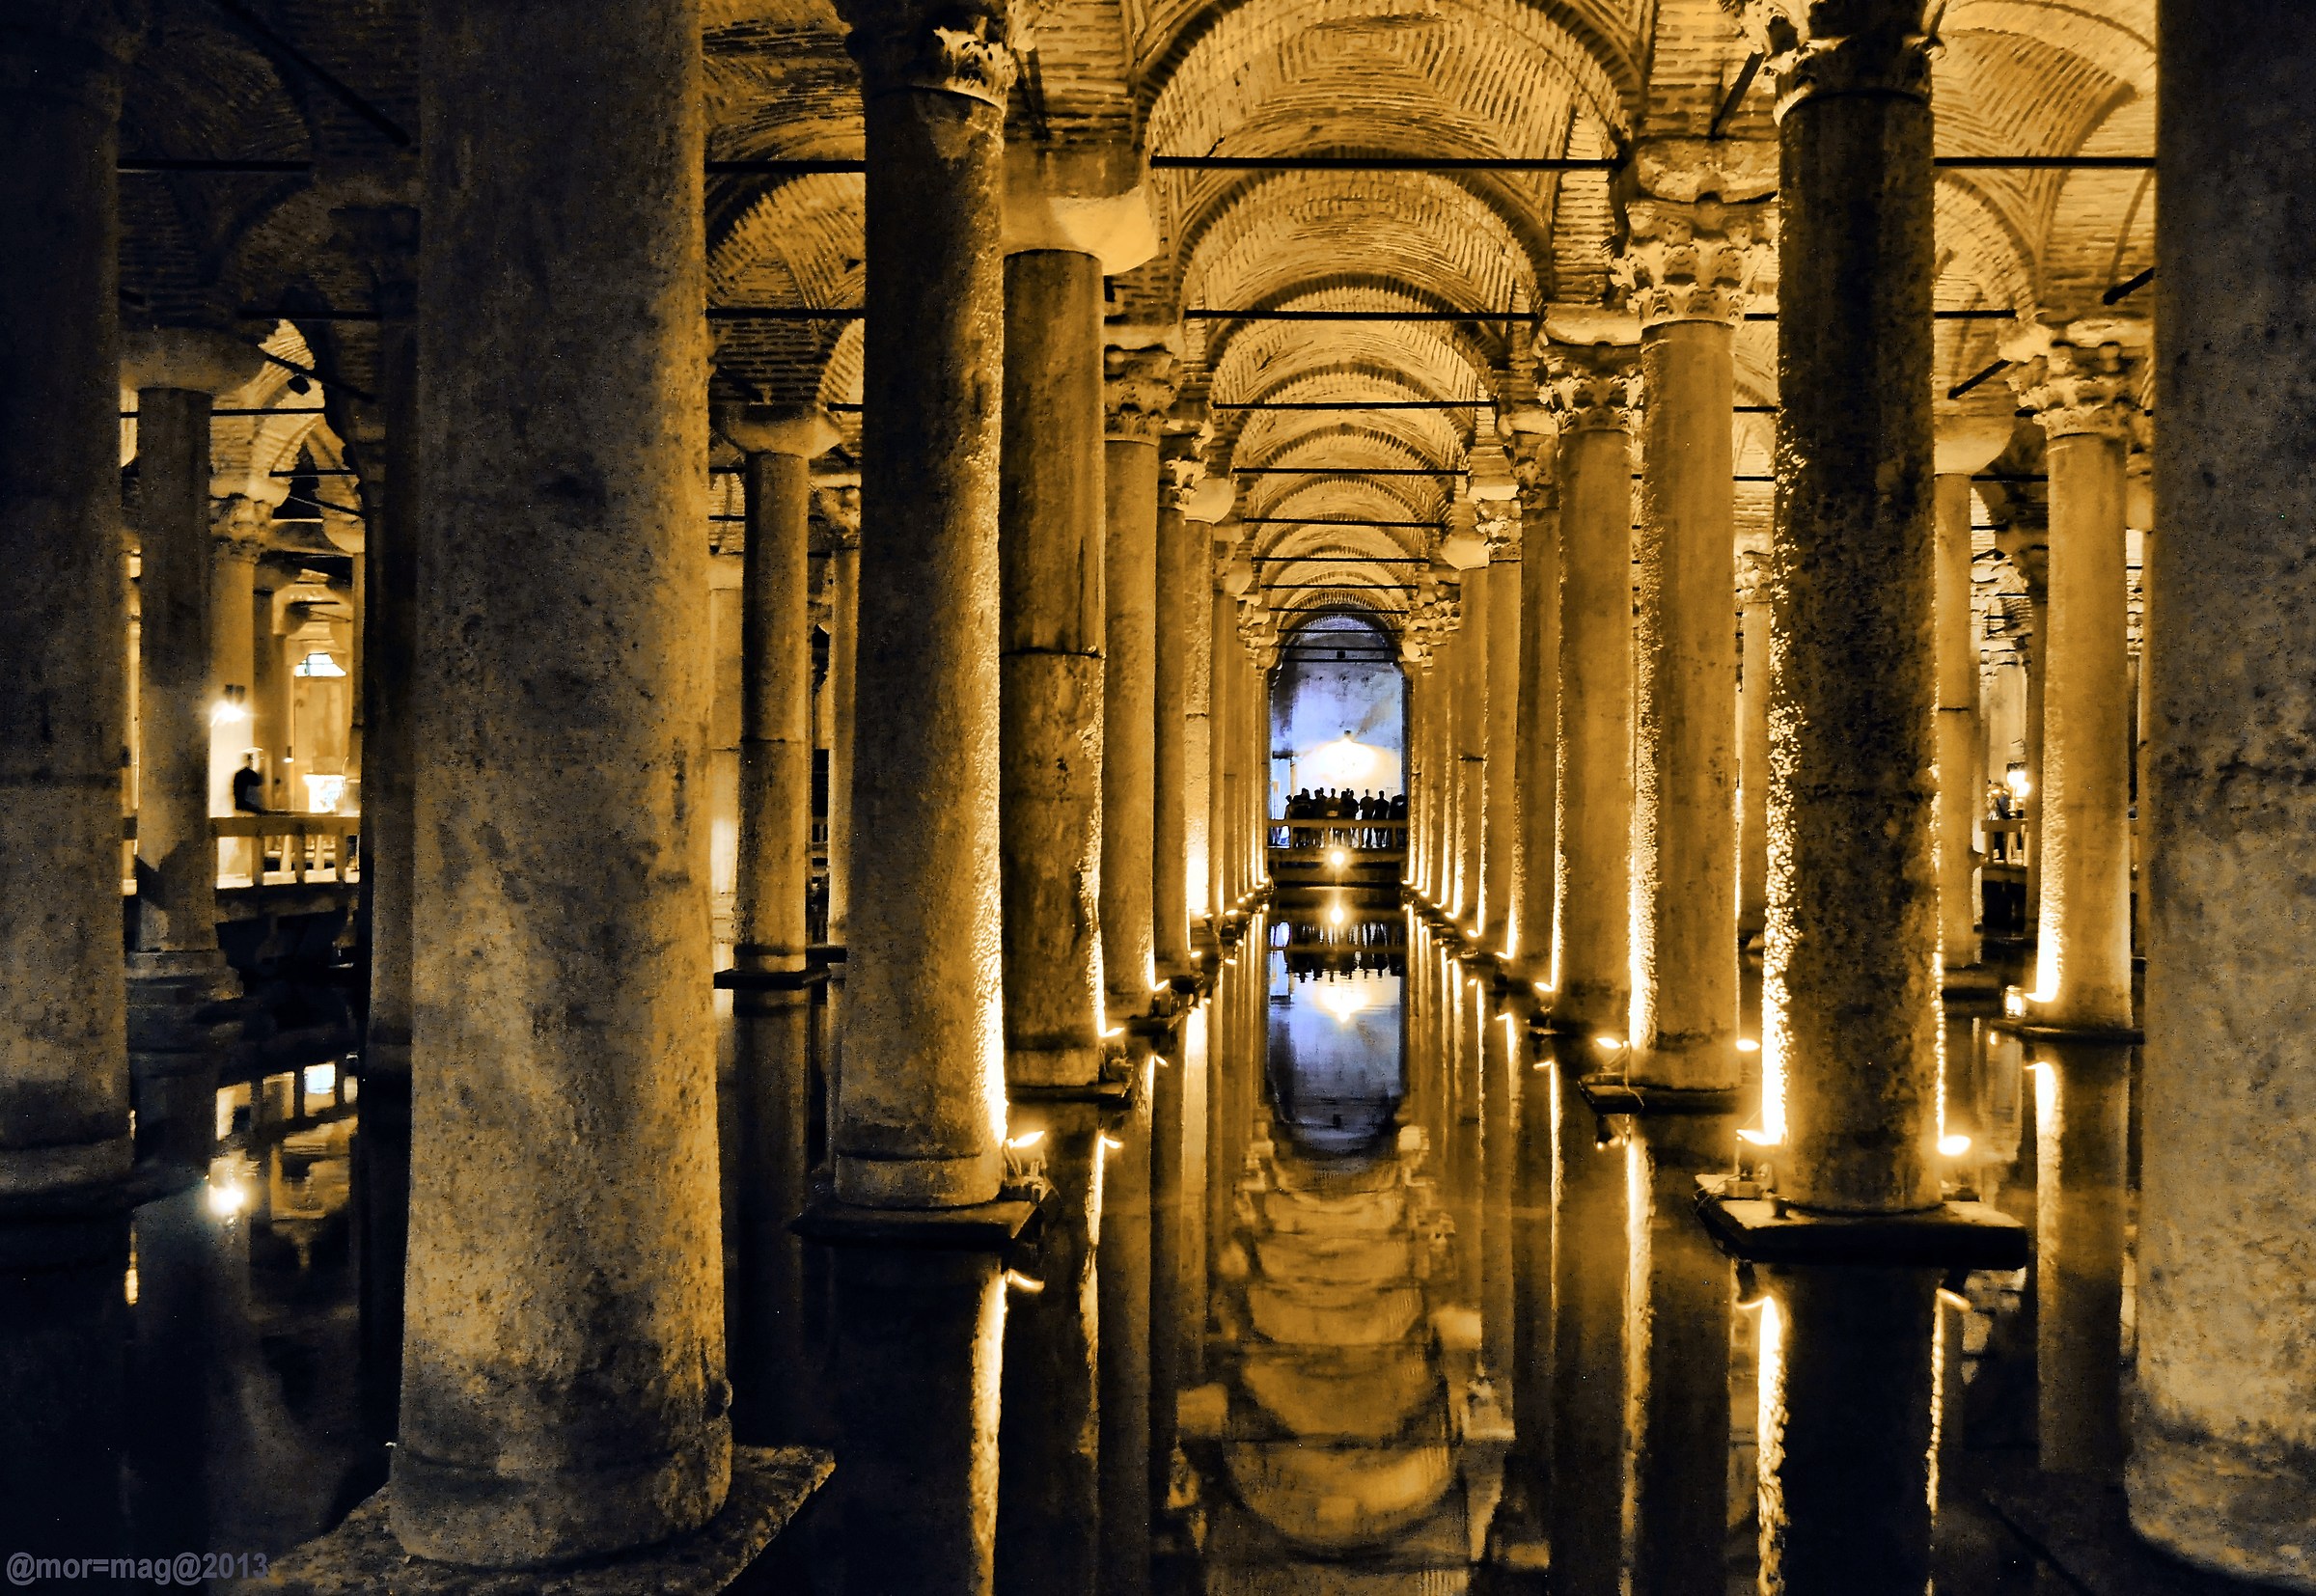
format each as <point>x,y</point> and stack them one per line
<point>798,242</point>
<point>1194,62</point>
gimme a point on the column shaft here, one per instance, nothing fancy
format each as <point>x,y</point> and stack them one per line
<point>1684,892</point>
<point>1223,757</point>
<point>1539,734</point>
<point>921,1093</point>
<point>2083,947</point>
<point>1592,978</point>
<point>1752,764</point>
<point>776,722</point>
<point>1129,719</point>
<point>1472,749</point>
<point>64,1067</point>
<point>564,1135</point>
<point>1849,1000</point>
<point>844,662</point>
<point>1050,668</point>
<point>1960,792</point>
<point>1500,852</point>
<point>1198,733</point>
<point>1179,618</point>
<point>2223,1431</point>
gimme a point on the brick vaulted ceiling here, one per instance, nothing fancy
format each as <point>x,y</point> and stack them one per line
<point>1430,79</point>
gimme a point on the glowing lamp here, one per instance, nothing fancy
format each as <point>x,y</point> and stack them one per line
<point>1746,1044</point>
<point>225,1198</point>
<point>2016,780</point>
<point>1029,1138</point>
<point>1336,857</point>
<point>1607,1044</point>
<point>1953,1145</point>
<point>318,664</point>
<point>1756,1139</point>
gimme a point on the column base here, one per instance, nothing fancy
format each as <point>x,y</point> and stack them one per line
<point>1970,984</point>
<point>361,1556</point>
<point>1607,1094</point>
<point>1954,1235</point>
<point>184,1016</point>
<point>2022,1016</point>
<point>1057,1069</point>
<point>982,1228</point>
<point>64,1226</point>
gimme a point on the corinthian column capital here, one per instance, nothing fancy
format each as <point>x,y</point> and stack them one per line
<point>1813,47</point>
<point>964,50</point>
<point>2082,380</point>
<point>1137,390</point>
<point>1692,261</point>
<point>1592,387</point>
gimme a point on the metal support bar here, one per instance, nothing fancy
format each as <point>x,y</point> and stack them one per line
<point>783,312</point>
<point>1383,163</point>
<point>1736,95</point>
<point>1346,471</point>
<point>1324,521</point>
<point>315,69</point>
<point>1354,404</point>
<point>202,163</point>
<point>1969,382</point>
<point>250,410</point>
<point>2126,288</point>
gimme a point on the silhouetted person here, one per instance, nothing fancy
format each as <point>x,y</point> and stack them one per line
<point>249,787</point>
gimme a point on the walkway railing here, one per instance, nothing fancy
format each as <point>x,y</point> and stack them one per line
<point>1374,837</point>
<point>265,850</point>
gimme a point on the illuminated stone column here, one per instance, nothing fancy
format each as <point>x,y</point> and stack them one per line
<point>64,1067</point>
<point>2082,385</point>
<point>1049,659</point>
<point>1753,747</point>
<point>776,687</point>
<point>1500,854</point>
<point>176,968</point>
<point>1690,267</point>
<point>1196,555</point>
<point>1178,674</point>
<point>1537,728</point>
<point>2224,1432</point>
<point>241,528</point>
<point>1965,445</point>
<point>1471,643</point>
<point>1850,993</point>
<point>1592,392</point>
<point>1136,397</point>
<point>920,1103</point>
<point>563,1369</point>
<point>843,677</point>
<point>1222,759</point>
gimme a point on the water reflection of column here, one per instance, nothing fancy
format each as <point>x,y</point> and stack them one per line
<point>920,1340</point>
<point>172,1365</point>
<point>1178,1238</point>
<point>1676,1360</point>
<point>1498,1140</point>
<point>1587,1374</point>
<point>766,1176</point>
<point>1049,1503</point>
<point>1528,1471</point>
<point>1845,1431</point>
<point>62,1331</point>
<point>2080,1109</point>
<point>1124,1293</point>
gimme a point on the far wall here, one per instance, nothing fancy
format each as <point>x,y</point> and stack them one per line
<point>1315,706</point>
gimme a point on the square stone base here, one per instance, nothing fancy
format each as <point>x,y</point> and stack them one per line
<point>361,1557</point>
<point>1955,1235</point>
<point>1606,1094</point>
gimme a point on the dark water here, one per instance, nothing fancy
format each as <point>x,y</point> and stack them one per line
<point>1355,1296</point>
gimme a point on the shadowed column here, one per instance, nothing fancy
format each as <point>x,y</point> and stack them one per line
<point>563,1380</point>
<point>2223,1429</point>
<point>64,1062</point>
<point>1136,398</point>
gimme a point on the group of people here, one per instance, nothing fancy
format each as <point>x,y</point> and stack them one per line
<point>1348,806</point>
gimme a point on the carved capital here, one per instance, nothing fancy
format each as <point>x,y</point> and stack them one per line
<point>243,526</point>
<point>1812,47</point>
<point>1692,261</point>
<point>953,51</point>
<point>838,510</point>
<point>1137,390</point>
<point>1752,578</point>
<point>2080,380</point>
<point>198,360</point>
<point>1592,387</point>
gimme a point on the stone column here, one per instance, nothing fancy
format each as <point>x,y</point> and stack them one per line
<point>64,1063</point>
<point>176,968</point>
<point>2080,386</point>
<point>1122,1292</point>
<point>1592,392</point>
<point>1050,560</point>
<point>1198,713</point>
<point>1753,747</point>
<point>1850,1003</point>
<point>920,1105</point>
<point>564,1135</point>
<point>240,529</point>
<point>1690,267</point>
<point>1180,615</point>
<point>1499,866</point>
<point>776,687</point>
<point>2224,1432</point>
<point>1965,445</point>
<point>1537,733</point>
<point>385,449</point>
<point>1221,639</point>
<point>1135,402</point>
<point>1471,648</point>
<point>844,664</point>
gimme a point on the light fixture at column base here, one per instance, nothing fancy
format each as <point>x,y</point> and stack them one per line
<point>1954,1235</point>
<point>361,1556</point>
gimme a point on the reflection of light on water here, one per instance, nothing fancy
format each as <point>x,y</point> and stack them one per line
<point>226,1198</point>
<point>1769,1442</point>
<point>1336,916</point>
<point>1343,999</point>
